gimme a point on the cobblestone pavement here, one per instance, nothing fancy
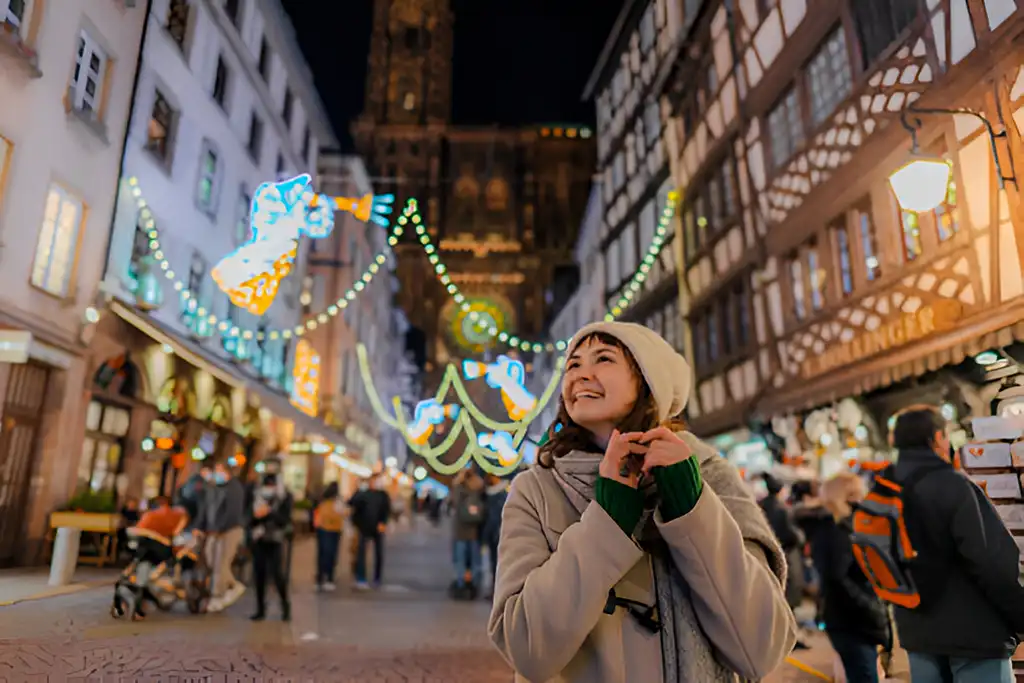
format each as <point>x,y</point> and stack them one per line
<point>407,632</point>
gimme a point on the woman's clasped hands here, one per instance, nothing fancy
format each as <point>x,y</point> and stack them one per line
<point>631,455</point>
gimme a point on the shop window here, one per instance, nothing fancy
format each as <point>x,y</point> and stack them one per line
<point>869,242</point>
<point>57,246</point>
<point>796,277</point>
<point>786,128</point>
<point>106,427</point>
<point>176,398</point>
<point>829,79</point>
<point>879,23</point>
<point>842,242</point>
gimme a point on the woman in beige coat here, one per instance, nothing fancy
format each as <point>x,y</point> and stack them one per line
<point>633,553</point>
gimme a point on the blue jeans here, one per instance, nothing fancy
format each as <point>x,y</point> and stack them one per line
<point>327,543</point>
<point>937,669</point>
<point>859,657</point>
<point>468,552</point>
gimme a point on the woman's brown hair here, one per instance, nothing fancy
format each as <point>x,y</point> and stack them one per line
<point>565,436</point>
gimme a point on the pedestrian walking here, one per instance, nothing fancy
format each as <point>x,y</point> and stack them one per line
<point>967,568</point>
<point>592,587</point>
<point>371,511</point>
<point>270,530</point>
<point>467,494</point>
<point>329,522</point>
<point>791,538</point>
<point>856,620</point>
<point>223,518</point>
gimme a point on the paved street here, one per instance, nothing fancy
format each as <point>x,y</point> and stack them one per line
<point>408,632</point>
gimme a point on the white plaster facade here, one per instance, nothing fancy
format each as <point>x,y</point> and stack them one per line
<point>61,129</point>
<point>225,102</point>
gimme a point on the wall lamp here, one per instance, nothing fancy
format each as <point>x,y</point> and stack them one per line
<point>922,183</point>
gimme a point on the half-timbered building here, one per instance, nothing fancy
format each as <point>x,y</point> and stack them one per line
<point>803,281</point>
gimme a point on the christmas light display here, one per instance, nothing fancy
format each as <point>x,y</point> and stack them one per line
<point>282,213</point>
<point>427,416</point>
<point>229,330</point>
<point>501,444</point>
<point>462,424</point>
<point>481,322</point>
<point>306,373</point>
<point>509,377</point>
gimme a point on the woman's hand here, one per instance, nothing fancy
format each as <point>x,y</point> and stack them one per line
<point>664,448</point>
<point>619,463</point>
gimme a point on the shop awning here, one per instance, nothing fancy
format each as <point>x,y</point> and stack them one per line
<point>233,376</point>
<point>978,333</point>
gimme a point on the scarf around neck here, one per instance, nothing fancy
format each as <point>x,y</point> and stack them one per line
<point>687,655</point>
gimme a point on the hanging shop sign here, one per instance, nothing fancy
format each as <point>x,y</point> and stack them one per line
<point>909,327</point>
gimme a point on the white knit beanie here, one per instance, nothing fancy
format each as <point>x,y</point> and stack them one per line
<point>666,372</point>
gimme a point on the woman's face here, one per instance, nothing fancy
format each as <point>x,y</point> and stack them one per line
<point>599,388</point>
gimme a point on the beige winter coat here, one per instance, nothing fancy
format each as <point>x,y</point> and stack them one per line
<point>556,568</point>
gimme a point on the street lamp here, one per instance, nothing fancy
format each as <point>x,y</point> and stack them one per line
<point>922,183</point>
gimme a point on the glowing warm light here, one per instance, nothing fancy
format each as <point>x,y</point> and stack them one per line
<point>165,443</point>
<point>306,373</point>
<point>921,184</point>
<point>509,377</point>
<point>420,473</point>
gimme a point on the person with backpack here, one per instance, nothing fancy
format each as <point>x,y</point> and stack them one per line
<point>855,619</point>
<point>933,545</point>
<point>467,501</point>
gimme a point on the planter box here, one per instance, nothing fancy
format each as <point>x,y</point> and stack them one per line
<point>98,522</point>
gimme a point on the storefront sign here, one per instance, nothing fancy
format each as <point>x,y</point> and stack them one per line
<point>14,345</point>
<point>909,327</point>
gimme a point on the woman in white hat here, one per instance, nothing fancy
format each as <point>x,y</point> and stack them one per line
<point>633,552</point>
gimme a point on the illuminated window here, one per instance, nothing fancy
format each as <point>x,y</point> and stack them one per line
<point>206,191</point>
<point>911,235</point>
<point>221,80</point>
<point>58,242</point>
<point>869,243</point>
<point>796,276</point>
<point>177,21</point>
<point>947,215</point>
<point>845,261</point>
<point>785,128</point>
<point>815,276</point>
<point>161,122</point>
<point>829,79</point>
<point>86,84</point>
<point>106,427</point>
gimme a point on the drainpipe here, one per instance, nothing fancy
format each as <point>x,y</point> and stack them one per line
<point>124,140</point>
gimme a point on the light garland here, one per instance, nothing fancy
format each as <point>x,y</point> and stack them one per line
<point>492,446</point>
<point>226,328</point>
<point>627,293</point>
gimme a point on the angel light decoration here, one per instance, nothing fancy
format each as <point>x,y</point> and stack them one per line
<point>282,213</point>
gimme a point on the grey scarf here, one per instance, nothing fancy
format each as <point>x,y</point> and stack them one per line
<point>687,655</point>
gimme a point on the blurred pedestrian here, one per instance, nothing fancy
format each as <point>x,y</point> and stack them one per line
<point>780,518</point>
<point>329,522</point>
<point>467,495</point>
<point>224,516</point>
<point>270,530</point>
<point>371,511</point>
<point>856,620</point>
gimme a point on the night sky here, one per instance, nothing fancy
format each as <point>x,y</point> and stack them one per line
<point>515,61</point>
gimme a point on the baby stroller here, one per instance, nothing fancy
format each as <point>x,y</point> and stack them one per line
<point>161,574</point>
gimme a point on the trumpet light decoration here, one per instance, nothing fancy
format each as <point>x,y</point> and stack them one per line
<point>281,215</point>
<point>509,377</point>
<point>427,416</point>
<point>500,443</point>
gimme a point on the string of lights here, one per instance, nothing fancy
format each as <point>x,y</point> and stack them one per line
<point>462,422</point>
<point>627,293</point>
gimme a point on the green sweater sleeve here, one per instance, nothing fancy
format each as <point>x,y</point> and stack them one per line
<point>624,504</point>
<point>680,486</point>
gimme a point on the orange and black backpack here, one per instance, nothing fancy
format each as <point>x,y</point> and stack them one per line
<point>881,544</point>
